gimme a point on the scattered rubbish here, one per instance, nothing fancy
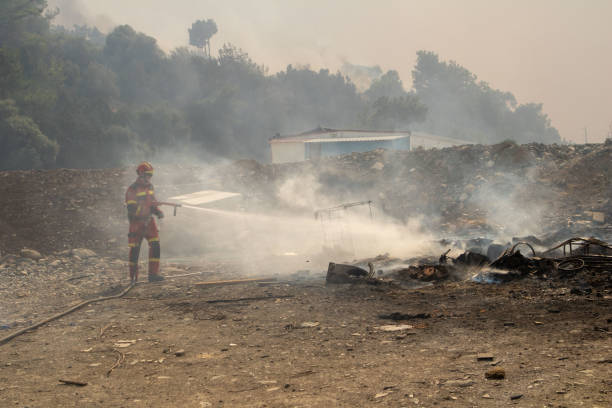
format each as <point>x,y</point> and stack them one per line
<point>73,382</point>
<point>340,273</point>
<point>484,357</point>
<point>397,316</point>
<point>124,343</point>
<point>179,353</point>
<point>304,325</point>
<point>516,396</point>
<point>469,258</point>
<point>426,273</point>
<point>496,373</point>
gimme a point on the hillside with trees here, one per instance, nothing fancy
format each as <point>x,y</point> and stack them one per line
<point>75,97</point>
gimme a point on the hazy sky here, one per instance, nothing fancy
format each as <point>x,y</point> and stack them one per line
<point>555,52</point>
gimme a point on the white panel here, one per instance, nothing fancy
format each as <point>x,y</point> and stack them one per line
<point>287,152</point>
<point>203,197</point>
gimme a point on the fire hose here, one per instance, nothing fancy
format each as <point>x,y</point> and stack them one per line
<point>64,313</point>
<point>120,295</point>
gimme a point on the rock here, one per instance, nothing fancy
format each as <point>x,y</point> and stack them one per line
<point>30,254</point>
<point>394,327</point>
<point>496,373</point>
<point>516,396</point>
<point>82,253</point>
<point>179,353</point>
<point>459,383</point>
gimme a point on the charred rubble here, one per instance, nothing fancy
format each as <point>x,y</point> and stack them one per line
<point>561,261</point>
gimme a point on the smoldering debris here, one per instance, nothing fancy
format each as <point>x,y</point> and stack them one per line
<point>585,253</point>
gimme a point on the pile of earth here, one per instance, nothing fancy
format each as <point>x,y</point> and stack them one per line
<point>466,191</point>
<point>472,190</point>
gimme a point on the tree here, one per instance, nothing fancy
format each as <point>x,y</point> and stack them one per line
<point>22,144</point>
<point>19,16</point>
<point>461,106</point>
<point>389,85</point>
<point>200,34</point>
<point>395,113</point>
<point>137,60</point>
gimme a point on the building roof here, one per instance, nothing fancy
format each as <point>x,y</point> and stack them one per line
<point>322,135</point>
<point>355,139</point>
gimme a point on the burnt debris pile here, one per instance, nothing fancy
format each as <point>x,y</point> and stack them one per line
<point>562,261</point>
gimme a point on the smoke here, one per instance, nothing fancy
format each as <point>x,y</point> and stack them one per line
<point>361,75</point>
<point>75,12</point>
<point>513,205</point>
<point>279,235</point>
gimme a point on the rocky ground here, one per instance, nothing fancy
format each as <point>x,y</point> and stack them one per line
<point>296,341</point>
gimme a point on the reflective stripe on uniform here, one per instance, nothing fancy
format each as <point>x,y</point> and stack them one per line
<point>153,239</point>
<point>142,193</point>
<point>132,245</point>
<point>131,202</point>
<point>150,192</point>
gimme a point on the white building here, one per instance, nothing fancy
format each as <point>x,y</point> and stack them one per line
<point>319,143</point>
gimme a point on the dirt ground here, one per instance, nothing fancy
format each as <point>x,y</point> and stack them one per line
<point>297,342</point>
<point>302,343</point>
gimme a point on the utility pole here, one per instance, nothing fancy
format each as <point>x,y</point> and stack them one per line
<point>585,136</point>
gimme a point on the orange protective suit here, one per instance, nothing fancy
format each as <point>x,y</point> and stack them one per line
<point>141,206</point>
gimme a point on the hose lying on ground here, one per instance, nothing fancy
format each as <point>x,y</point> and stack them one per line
<point>64,313</point>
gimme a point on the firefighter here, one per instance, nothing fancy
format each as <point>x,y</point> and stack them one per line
<point>141,206</point>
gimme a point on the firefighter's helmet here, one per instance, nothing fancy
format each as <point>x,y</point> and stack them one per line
<point>144,168</point>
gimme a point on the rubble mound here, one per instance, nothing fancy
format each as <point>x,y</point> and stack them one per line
<point>472,190</point>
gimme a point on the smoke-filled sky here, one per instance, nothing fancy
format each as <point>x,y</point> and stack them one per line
<point>555,52</point>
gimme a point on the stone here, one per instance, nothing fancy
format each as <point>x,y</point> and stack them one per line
<point>394,327</point>
<point>179,353</point>
<point>496,373</point>
<point>30,254</point>
<point>459,383</point>
<point>82,253</point>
